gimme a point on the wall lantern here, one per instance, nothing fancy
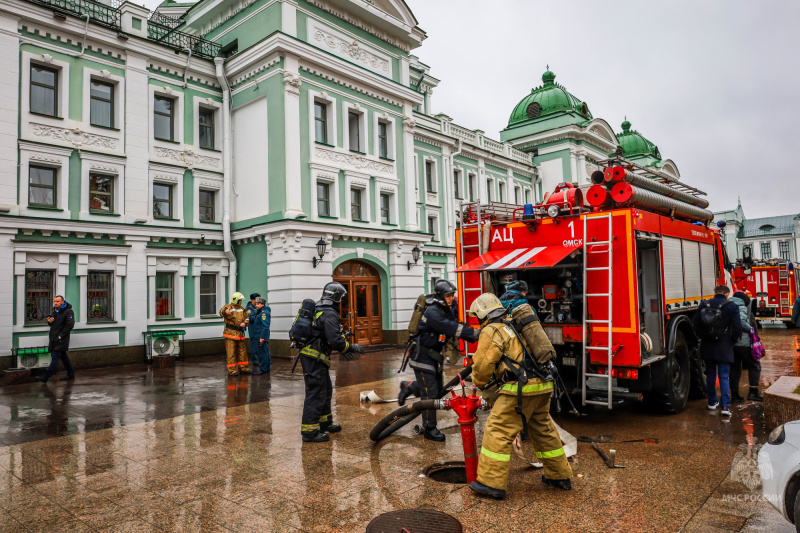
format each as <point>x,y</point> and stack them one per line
<point>415,254</point>
<point>321,246</point>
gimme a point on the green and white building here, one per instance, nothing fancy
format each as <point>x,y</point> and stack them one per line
<point>775,237</point>
<point>153,163</point>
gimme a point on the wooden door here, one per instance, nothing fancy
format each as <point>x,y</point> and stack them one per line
<point>360,311</point>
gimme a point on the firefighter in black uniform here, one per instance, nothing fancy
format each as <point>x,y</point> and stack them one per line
<point>438,323</point>
<point>316,360</point>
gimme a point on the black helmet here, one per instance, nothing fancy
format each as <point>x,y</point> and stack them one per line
<point>332,293</point>
<point>443,287</point>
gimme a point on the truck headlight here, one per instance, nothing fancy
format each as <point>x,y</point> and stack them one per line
<point>777,436</point>
<point>553,211</point>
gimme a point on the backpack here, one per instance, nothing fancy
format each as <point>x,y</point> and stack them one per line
<point>712,327</point>
<point>300,333</point>
<point>416,316</point>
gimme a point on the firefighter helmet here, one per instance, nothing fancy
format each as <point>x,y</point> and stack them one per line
<point>442,288</point>
<point>486,306</point>
<point>332,293</point>
<point>237,297</point>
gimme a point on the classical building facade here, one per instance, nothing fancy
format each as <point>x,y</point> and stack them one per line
<point>776,237</point>
<point>153,163</point>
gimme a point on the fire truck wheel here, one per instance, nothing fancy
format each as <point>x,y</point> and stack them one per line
<point>671,379</point>
<point>697,387</point>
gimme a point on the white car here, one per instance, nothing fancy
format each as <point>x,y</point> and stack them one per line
<point>779,465</point>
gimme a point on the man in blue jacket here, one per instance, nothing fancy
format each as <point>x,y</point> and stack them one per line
<point>251,309</point>
<point>795,320</point>
<point>515,295</point>
<point>718,326</point>
<point>259,336</point>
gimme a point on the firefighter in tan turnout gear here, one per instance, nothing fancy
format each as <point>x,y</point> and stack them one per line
<point>235,317</point>
<point>500,354</point>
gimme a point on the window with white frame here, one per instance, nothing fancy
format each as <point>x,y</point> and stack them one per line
<point>766,250</point>
<point>208,294</point>
<point>517,196</point>
<point>44,90</point>
<point>355,131</point>
<point>783,249</point>
<point>321,122</point>
<point>164,118</point>
<point>207,201</point>
<point>323,199</point>
<point>383,139</point>
<point>386,208</point>
<point>527,196</point>
<point>165,294</point>
<point>101,103</point>
<point>206,128</point>
<point>416,175</point>
<point>42,186</point>
<point>40,289</point>
<point>471,186</point>
<point>162,200</point>
<point>457,183</point>
<point>489,187</point>
<point>501,192</point>
<point>101,193</point>
<point>356,207</point>
<point>100,296</point>
<point>433,226</point>
<point>430,177</point>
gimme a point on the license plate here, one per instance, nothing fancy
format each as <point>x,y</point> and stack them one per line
<point>569,361</point>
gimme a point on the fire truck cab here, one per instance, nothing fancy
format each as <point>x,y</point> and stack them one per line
<point>774,286</point>
<point>615,287</point>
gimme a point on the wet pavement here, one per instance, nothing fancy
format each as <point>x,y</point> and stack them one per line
<point>187,449</point>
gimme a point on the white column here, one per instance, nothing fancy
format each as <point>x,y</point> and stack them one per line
<point>573,167</point>
<point>289,17</point>
<point>136,290</point>
<point>291,96</point>
<point>137,128</point>
<point>6,291</point>
<point>447,197</point>
<point>404,285</point>
<point>408,145</point>
<point>9,109</point>
<point>482,181</point>
<point>581,176</point>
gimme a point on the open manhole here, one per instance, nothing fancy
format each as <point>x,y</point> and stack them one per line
<point>415,521</point>
<point>449,472</point>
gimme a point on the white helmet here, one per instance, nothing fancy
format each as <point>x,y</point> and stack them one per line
<point>487,305</point>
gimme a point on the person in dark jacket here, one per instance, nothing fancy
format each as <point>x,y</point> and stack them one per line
<point>795,320</point>
<point>742,356</point>
<point>718,354</point>
<point>259,335</point>
<point>438,325</point>
<point>315,357</point>
<point>515,295</point>
<point>251,309</point>
<point>61,321</point>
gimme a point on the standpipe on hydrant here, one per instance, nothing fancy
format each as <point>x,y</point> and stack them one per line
<point>466,407</point>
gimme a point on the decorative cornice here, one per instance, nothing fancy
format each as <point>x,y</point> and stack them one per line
<point>328,77</point>
<point>75,136</point>
<point>357,161</point>
<point>323,5</point>
<point>104,168</point>
<point>186,157</point>
<point>170,178</point>
<point>211,184</point>
<point>46,159</point>
<point>352,49</point>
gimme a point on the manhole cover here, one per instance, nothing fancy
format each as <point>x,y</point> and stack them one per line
<point>414,521</point>
<point>449,472</point>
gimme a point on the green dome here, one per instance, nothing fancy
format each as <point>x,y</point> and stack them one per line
<point>547,99</point>
<point>634,144</point>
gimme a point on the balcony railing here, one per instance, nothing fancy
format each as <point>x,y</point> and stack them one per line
<point>98,13</point>
<point>181,41</point>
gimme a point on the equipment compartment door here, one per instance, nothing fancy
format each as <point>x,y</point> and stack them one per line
<point>650,304</point>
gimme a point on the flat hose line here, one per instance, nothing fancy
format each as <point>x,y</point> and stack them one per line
<point>404,415</point>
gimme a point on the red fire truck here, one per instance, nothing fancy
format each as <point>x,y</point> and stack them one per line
<point>615,275</point>
<point>773,284</point>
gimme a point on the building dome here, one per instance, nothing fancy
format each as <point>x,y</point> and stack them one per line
<point>547,99</point>
<point>634,143</point>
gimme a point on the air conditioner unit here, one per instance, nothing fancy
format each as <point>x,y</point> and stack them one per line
<point>38,357</point>
<point>163,343</point>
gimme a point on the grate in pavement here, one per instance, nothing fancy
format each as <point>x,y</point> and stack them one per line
<point>414,521</point>
<point>449,472</point>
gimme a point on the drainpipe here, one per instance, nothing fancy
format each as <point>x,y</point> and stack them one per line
<point>85,34</point>
<point>186,68</point>
<point>226,170</point>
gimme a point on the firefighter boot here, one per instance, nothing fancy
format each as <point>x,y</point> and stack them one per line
<point>563,484</point>
<point>484,490</point>
<point>326,425</point>
<point>434,434</point>
<point>317,436</point>
<point>405,392</point>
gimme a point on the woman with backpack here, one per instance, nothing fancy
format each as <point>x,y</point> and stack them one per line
<point>742,355</point>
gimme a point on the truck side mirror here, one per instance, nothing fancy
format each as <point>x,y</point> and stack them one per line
<point>747,255</point>
<point>747,271</point>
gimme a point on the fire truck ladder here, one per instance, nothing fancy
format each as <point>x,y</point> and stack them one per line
<point>587,323</point>
<point>463,247</point>
<point>783,289</point>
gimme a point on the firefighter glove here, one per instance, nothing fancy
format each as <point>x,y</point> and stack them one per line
<point>355,348</point>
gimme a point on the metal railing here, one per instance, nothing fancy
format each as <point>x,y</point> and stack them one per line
<point>181,41</point>
<point>98,13</point>
<point>158,18</point>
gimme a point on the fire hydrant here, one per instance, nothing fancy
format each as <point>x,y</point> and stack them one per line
<point>466,407</point>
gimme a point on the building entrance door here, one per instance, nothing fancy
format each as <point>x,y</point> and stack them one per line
<point>360,310</point>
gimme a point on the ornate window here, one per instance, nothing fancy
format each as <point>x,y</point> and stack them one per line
<point>101,193</point>
<point>207,201</point>
<point>355,204</point>
<point>766,250</point>
<point>163,118</point>
<point>42,191</point>
<point>354,130</point>
<point>783,249</point>
<point>383,140</point>
<point>385,211</point>
<point>40,288</point>
<point>429,177</point>
<point>206,119</point>
<point>165,292</point>
<point>208,294</point>
<point>99,296</point>
<point>101,104</point>
<point>162,200</point>
<point>44,90</point>
<point>533,110</point>
<point>323,199</point>
<point>321,122</point>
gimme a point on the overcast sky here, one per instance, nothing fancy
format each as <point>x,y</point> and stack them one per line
<point>714,84</point>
